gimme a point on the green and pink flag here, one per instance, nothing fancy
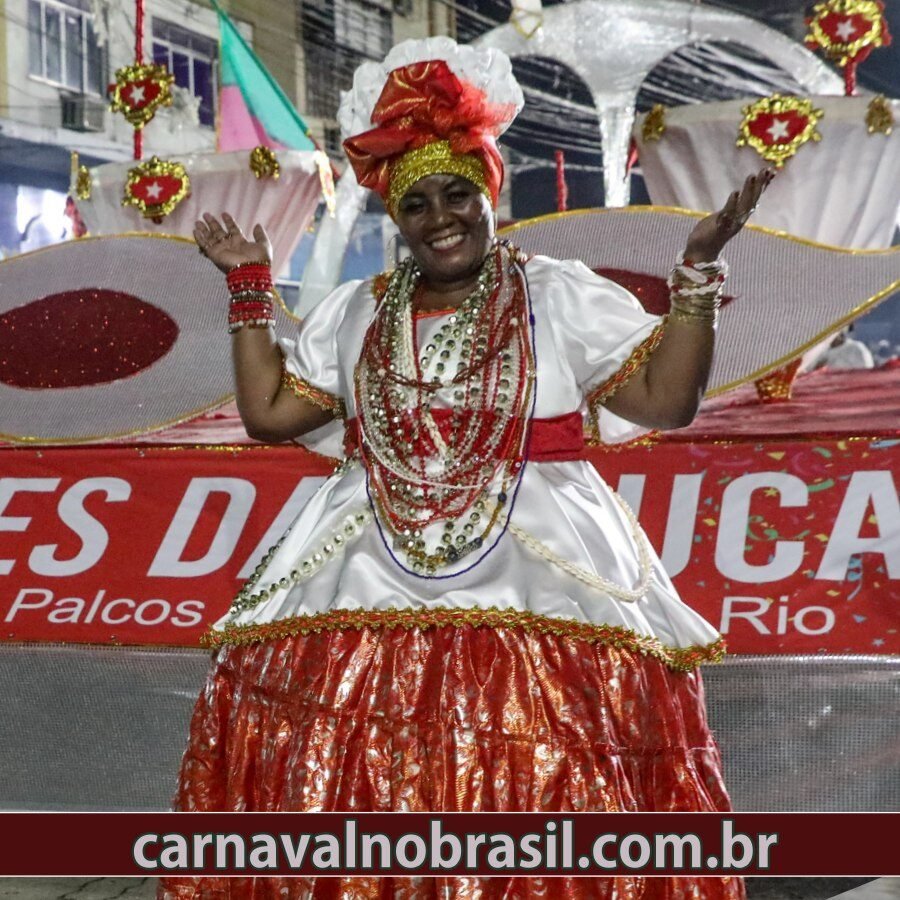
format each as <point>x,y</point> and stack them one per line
<point>253,109</point>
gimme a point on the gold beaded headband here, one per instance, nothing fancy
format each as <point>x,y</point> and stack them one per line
<point>436,158</point>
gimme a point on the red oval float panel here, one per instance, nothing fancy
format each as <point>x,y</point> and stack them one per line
<point>84,337</point>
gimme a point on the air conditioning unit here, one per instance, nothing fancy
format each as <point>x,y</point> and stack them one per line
<point>81,113</point>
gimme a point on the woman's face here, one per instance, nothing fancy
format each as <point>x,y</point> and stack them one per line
<point>448,224</point>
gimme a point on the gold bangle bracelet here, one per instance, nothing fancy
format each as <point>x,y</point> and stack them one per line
<point>694,306</point>
<point>693,318</point>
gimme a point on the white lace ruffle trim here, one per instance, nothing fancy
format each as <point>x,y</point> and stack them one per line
<point>488,69</point>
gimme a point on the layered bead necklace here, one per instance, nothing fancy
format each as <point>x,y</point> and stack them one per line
<point>444,431</point>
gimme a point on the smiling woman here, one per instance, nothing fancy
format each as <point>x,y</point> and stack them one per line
<point>465,616</point>
<point>448,224</point>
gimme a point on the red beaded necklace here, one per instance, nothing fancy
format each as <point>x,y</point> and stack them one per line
<point>443,429</point>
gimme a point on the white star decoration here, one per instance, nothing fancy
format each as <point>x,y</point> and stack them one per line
<point>137,93</point>
<point>778,130</point>
<point>846,30</point>
<point>154,189</point>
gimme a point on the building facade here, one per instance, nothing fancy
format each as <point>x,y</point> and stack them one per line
<point>334,37</point>
<point>58,57</point>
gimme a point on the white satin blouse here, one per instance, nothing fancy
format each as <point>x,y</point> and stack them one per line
<point>570,551</point>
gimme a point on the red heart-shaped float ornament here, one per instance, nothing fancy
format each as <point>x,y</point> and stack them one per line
<point>156,187</point>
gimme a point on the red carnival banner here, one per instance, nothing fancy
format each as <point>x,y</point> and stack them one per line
<point>785,546</point>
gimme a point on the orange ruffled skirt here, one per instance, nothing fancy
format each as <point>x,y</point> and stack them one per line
<point>448,719</point>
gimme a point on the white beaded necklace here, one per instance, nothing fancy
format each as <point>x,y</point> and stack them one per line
<point>417,473</point>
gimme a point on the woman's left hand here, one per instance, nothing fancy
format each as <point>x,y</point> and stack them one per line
<point>711,234</point>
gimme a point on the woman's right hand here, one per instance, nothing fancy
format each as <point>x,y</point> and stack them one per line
<point>226,247</point>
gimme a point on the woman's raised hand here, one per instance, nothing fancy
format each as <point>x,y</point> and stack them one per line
<point>711,234</point>
<point>225,245</point>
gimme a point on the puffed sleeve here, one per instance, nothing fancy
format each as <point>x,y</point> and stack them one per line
<point>310,366</point>
<point>606,336</point>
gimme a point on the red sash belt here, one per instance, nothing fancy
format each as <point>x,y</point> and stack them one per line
<point>552,440</point>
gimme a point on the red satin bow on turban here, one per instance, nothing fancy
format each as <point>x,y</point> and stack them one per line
<point>422,103</point>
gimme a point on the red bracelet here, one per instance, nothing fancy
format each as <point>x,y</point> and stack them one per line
<point>251,320</point>
<point>253,308</point>
<point>254,299</point>
<point>249,265</point>
<point>250,277</point>
<point>250,317</point>
<point>243,309</point>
